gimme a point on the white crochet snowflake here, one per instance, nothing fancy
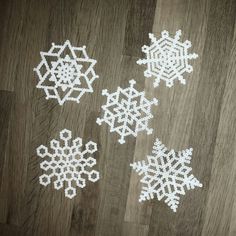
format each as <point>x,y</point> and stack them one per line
<point>166,174</point>
<point>67,163</point>
<point>66,73</point>
<point>167,58</point>
<point>127,111</point>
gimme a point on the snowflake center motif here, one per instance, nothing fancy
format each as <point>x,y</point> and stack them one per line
<point>167,58</point>
<point>166,175</point>
<point>127,111</point>
<point>66,73</point>
<point>67,163</point>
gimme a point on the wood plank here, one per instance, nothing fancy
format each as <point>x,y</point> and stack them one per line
<point>6,230</point>
<point>222,184</point>
<point>6,102</point>
<point>85,213</point>
<point>139,23</point>
<point>136,212</point>
<point>211,91</point>
<point>132,229</point>
<point>174,104</point>
<point>11,39</point>
<point>115,177</point>
<point>232,229</point>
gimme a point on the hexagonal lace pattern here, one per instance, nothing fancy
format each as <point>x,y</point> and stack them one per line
<point>127,111</point>
<point>66,73</point>
<point>67,163</point>
<point>166,174</point>
<point>167,58</point>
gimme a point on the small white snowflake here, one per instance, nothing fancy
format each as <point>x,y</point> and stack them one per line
<point>166,174</point>
<point>127,111</point>
<point>68,164</point>
<point>66,73</point>
<point>167,58</point>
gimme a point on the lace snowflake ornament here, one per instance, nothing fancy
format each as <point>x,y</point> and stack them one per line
<point>127,111</point>
<point>66,73</point>
<point>67,163</point>
<point>166,174</point>
<point>167,58</point>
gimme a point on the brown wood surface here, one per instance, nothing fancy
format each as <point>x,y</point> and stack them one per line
<point>201,115</point>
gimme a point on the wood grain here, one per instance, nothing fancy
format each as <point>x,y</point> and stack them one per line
<point>200,114</point>
<point>139,19</point>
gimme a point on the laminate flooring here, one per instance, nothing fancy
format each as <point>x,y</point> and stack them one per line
<point>200,114</point>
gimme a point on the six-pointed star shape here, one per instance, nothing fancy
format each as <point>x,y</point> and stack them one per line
<point>66,73</point>
<point>166,174</point>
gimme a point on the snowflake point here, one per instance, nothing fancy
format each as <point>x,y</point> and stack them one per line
<point>58,185</point>
<point>132,82</point>
<point>182,81</point>
<point>151,35</point>
<point>147,73</point>
<point>44,180</point>
<point>121,141</point>
<point>91,147</point>
<point>44,165</point>
<point>155,101</point>
<point>77,142</point>
<point>93,176</point>
<point>169,83</point>
<point>156,83</point>
<point>139,61</point>
<point>165,34</point>
<point>105,92</point>
<point>99,121</point>
<point>42,151</point>
<point>91,162</point>
<point>65,134</point>
<point>145,48</point>
<point>178,34</point>
<point>187,44</point>
<point>149,131</point>
<point>190,150</point>
<point>70,192</point>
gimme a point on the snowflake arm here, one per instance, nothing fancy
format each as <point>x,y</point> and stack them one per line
<point>140,167</point>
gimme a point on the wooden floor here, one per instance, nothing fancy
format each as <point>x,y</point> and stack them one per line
<point>201,115</point>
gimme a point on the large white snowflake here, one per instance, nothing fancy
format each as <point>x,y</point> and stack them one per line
<point>67,163</point>
<point>167,58</point>
<point>166,174</point>
<point>66,72</point>
<point>127,111</point>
